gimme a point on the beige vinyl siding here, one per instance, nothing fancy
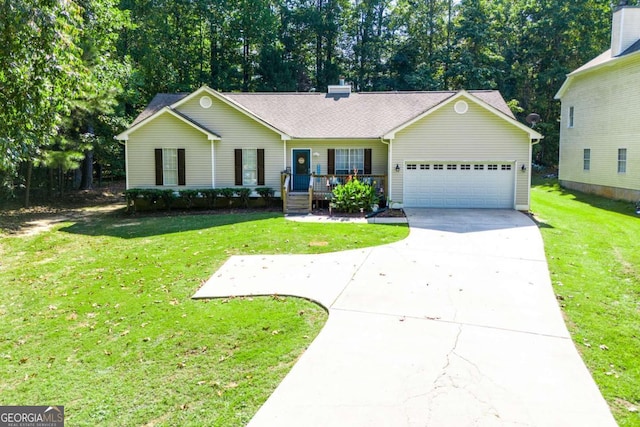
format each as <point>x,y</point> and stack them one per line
<point>378,152</point>
<point>167,131</point>
<point>607,105</point>
<point>237,130</point>
<point>474,137</point>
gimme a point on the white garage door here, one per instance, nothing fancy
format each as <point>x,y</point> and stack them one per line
<point>459,185</point>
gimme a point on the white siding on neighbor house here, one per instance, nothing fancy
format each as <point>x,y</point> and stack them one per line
<point>321,147</point>
<point>474,137</point>
<point>167,131</point>
<point>237,131</point>
<point>606,117</point>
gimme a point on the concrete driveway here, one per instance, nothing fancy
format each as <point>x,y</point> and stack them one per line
<point>457,325</point>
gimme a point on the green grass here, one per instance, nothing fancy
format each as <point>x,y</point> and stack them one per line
<point>96,316</point>
<point>592,247</point>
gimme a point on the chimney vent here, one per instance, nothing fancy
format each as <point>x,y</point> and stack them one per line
<point>625,28</point>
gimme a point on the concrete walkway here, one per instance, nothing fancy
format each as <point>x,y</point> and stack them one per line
<point>457,325</point>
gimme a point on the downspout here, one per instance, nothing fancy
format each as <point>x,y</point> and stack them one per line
<point>213,166</point>
<point>389,168</point>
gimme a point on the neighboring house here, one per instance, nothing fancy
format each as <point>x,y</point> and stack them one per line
<point>599,128</point>
<point>420,149</point>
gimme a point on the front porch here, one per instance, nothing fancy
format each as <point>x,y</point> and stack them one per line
<point>317,189</point>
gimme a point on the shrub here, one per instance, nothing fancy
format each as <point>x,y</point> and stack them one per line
<point>267,194</point>
<point>168,197</point>
<point>353,196</point>
<point>210,195</point>
<point>228,194</point>
<point>243,194</point>
<point>189,196</point>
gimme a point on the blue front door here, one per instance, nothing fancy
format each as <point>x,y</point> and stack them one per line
<point>301,169</point>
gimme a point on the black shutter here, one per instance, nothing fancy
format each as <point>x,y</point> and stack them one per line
<point>238,163</point>
<point>260,166</point>
<point>182,176</point>
<point>331,161</point>
<point>367,161</point>
<point>159,177</point>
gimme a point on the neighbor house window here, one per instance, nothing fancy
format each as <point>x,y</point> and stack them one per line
<point>249,166</point>
<point>622,160</point>
<point>570,117</point>
<point>586,159</point>
<point>170,166</point>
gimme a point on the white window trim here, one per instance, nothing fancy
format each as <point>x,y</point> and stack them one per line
<point>622,162</point>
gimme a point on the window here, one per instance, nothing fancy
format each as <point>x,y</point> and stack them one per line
<point>424,167</point>
<point>451,167</point>
<point>492,167</point>
<point>478,167</point>
<point>570,124</point>
<point>249,166</point>
<point>438,167</point>
<point>622,160</point>
<point>505,167</point>
<point>348,159</point>
<point>465,167</point>
<point>170,166</point>
<point>586,159</point>
<point>411,166</point>
<point>342,161</point>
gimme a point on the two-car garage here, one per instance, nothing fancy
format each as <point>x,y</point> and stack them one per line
<point>459,184</point>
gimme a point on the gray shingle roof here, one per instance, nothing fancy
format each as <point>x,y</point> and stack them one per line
<point>319,115</point>
<point>158,102</point>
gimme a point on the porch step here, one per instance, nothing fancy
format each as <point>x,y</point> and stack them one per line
<point>297,203</point>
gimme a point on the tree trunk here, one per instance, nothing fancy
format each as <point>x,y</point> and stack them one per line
<point>86,182</point>
<point>28,184</point>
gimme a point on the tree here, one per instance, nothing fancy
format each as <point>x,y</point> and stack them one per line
<point>40,66</point>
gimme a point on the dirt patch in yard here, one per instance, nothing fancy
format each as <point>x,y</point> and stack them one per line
<point>71,207</point>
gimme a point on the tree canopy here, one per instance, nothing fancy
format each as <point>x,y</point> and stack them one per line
<point>74,72</point>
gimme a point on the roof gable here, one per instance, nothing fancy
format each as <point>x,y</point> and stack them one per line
<point>605,59</point>
<point>124,136</point>
<point>485,99</point>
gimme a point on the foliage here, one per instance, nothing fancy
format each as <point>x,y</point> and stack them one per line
<point>267,194</point>
<point>353,196</point>
<point>169,196</point>
<point>210,195</point>
<point>243,194</point>
<point>591,244</point>
<point>228,194</point>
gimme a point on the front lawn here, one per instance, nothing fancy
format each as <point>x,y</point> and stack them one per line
<point>592,247</point>
<point>96,315</point>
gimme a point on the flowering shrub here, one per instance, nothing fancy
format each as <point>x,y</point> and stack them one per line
<point>353,196</point>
